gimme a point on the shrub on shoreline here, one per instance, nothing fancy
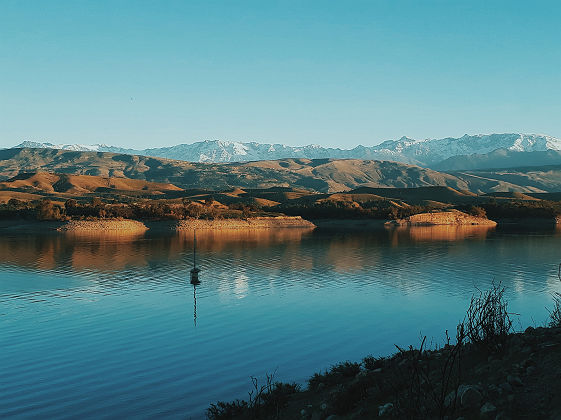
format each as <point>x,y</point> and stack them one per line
<point>427,383</point>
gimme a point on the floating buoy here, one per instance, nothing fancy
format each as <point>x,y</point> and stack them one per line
<point>195,270</point>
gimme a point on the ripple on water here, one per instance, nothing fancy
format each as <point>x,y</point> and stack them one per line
<point>102,327</point>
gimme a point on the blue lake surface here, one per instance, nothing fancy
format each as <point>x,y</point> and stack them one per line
<point>108,327</point>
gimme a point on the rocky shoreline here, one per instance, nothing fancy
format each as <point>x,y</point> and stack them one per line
<point>523,381</point>
<point>451,217</point>
<point>249,223</point>
<point>486,370</point>
<point>128,226</point>
<point>100,226</point>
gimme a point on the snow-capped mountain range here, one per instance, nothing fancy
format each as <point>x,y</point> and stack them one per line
<point>419,152</point>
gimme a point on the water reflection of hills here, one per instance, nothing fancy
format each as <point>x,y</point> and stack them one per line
<point>236,262</point>
<point>117,251</point>
<point>216,240</point>
<point>341,251</point>
<point>439,233</point>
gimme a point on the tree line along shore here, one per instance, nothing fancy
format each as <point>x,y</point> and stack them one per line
<point>213,212</point>
<point>96,216</point>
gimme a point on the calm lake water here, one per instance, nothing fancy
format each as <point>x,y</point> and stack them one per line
<point>106,327</point>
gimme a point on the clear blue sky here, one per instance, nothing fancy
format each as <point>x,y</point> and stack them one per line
<point>154,73</point>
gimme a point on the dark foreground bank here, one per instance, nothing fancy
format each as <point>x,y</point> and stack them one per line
<point>484,372</point>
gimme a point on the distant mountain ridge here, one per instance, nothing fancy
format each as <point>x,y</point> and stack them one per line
<point>426,153</point>
<point>321,175</point>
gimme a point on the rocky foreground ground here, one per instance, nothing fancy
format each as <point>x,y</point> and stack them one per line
<point>518,377</point>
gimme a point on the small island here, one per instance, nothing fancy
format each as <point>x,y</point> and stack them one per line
<point>437,218</point>
<point>103,225</point>
<point>125,226</point>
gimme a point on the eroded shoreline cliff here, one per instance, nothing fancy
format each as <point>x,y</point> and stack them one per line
<point>249,223</point>
<point>103,225</point>
<point>134,226</point>
<point>451,217</point>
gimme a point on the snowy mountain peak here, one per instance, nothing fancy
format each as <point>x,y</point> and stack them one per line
<point>419,152</point>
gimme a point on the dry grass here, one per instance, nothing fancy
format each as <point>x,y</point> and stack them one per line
<point>555,312</point>
<point>265,401</point>
<point>81,184</point>
<point>487,322</point>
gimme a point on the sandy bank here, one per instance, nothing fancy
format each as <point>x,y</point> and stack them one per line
<point>249,223</point>
<point>453,217</point>
<point>101,226</point>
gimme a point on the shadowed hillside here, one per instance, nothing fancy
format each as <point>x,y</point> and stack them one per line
<point>420,195</point>
<point>500,158</point>
<point>527,179</point>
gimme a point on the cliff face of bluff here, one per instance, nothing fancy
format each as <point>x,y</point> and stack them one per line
<point>100,226</point>
<point>135,226</point>
<point>249,223</point>
<point>453,217</point>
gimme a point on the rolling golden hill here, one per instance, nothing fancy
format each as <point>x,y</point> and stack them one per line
<point>324,175</point>
<point>320,175</point>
